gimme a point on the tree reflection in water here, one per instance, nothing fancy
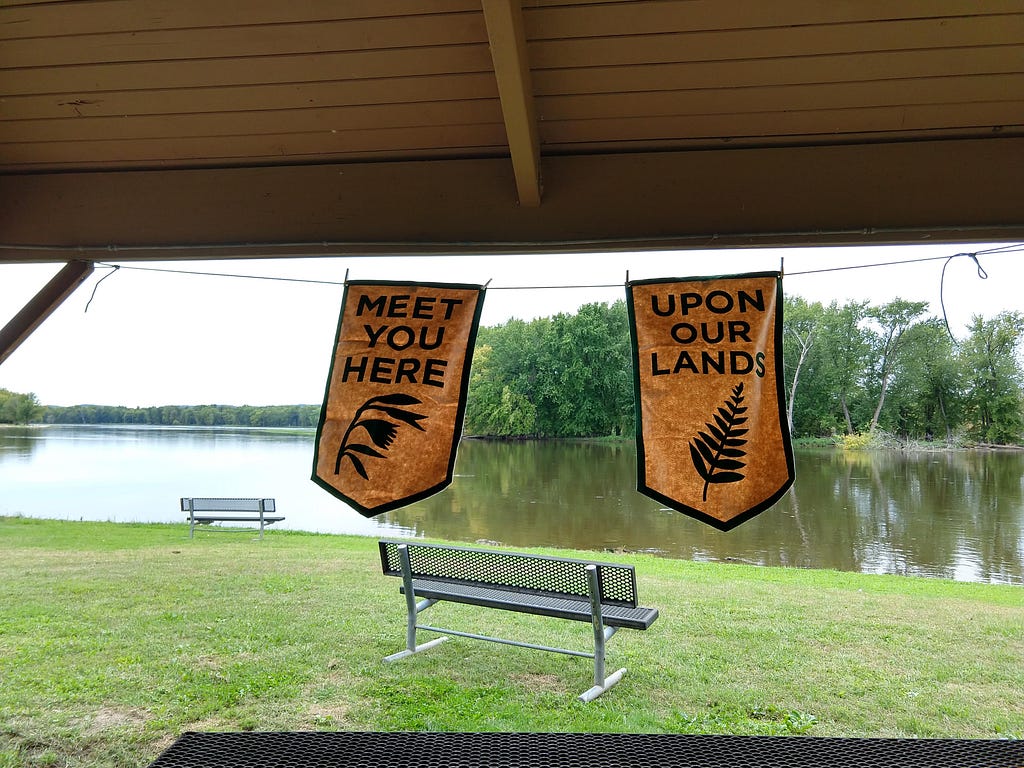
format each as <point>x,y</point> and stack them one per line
<point>953,515</point>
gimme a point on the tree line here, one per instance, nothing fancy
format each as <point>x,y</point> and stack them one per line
<point>183,415</point>
<point>852,368</point>
<point>849,369</point>
<point>857,367</point>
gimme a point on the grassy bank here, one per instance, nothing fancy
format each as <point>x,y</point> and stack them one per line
<point>115,638</point>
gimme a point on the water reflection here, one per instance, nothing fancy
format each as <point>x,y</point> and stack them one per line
<point>17,443</point>
<point>954,515</point>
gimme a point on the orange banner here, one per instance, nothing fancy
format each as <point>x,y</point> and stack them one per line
<point>396,393</point>
<point>712,437</point>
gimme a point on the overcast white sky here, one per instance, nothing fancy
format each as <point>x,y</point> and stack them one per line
<point>158,338</point>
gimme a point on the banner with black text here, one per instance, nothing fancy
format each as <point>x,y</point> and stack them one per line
<point>712,436</point>
<point>396,392</point>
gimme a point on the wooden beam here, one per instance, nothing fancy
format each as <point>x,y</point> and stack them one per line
<point>910,192</point>
<point>504,19</point>
<point>42,305</point>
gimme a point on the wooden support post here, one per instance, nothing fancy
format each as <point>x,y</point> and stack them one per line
<point>41,305</point>
<point>504,19</point>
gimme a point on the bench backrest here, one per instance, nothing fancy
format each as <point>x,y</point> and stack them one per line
<point>226,505</point>
<point>511,570</point>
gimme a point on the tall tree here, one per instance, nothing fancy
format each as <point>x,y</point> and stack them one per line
<point>591,349</point>
<point>888,343</point>
<point>930,382</point>
<point>564,376</point>
<point>19,408</point>
<point>992,367</point>
<point>494,407</point>
<point>504,385</point>
<point>847,350</point>
<point>802,321</point>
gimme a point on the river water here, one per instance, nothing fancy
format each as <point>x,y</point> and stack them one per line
<point>956,515</point>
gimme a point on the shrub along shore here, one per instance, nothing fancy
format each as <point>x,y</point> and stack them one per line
<point>116,638</point>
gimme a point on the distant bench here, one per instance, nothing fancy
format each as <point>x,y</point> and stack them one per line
<point>204,511</point>
<point>603,594</point>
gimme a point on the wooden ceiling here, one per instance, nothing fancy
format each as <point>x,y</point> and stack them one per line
<point>142,129</point>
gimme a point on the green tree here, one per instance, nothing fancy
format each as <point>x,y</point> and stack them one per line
<point>993,372</point>
<point>19,408</point>
<point>206,415</point>
<point>930,382</point>
<point>504,379</point>
<point>564,376</point>
<point>847,351</point>
<point>801,324</point>
<point>592,357</point>
<point>888,343</point>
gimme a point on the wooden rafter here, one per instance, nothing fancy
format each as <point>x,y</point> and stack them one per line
<point>507,41</point>
<point>42,305</point>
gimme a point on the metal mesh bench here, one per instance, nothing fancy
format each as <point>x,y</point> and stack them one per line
<point>309,749</point>
<point>203,511</point>
<point>603,594</point>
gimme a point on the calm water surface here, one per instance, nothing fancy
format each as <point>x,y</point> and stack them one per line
<point>956,515</point>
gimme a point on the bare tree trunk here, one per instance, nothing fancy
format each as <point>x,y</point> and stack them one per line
<point>792,389</point>
<point>846,414</point>
<point>881,402</point>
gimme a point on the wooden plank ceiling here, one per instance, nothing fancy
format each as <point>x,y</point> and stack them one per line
<point>191,128</point>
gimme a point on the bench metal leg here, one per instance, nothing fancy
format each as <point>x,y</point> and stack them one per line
<point>415,649</point>
<point>601,635</point>
<point>412,609</point>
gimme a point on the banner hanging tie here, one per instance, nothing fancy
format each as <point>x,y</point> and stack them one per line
<point>712,437</point>
<point>396,392</point>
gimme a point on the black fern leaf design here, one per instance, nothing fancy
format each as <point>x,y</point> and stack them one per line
<point>717,454</point>
<point>381,431</point>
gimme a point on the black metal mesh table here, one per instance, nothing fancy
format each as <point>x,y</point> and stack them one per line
<point>576,750</point>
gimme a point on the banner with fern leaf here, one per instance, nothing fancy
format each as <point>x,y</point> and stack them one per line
<point>712,435</point>
<point>396,392</point>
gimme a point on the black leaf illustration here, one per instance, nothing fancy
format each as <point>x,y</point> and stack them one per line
<point>410,418</point>
<point>365,450</point>
<point>358,465</point>
<point>381,431</point>
<point>716,453</point>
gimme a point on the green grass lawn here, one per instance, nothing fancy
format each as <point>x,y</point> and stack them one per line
<point>116,638</point>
